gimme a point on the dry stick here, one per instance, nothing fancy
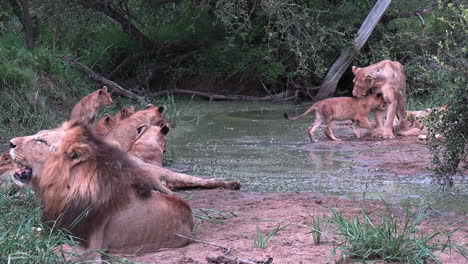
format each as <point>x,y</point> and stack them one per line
<point>226,250</point>
<point>102,80</point>
<point>231,260</point>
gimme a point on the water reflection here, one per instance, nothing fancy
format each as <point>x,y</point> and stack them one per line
<point>253,143</point>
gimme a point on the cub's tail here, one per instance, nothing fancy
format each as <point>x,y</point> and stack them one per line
<point>310,110</point>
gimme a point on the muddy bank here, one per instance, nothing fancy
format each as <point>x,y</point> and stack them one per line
<point>245,211</point>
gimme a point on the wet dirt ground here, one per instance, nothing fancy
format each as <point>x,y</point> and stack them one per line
<point>231,218</point>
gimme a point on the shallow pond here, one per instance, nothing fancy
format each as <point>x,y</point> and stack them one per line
<point>251,142</point>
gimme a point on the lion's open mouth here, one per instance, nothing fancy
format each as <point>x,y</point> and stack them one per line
<point>23,174</point>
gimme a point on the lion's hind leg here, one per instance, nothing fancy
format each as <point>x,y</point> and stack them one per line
<point>329,130</point>
<point>314,126</point>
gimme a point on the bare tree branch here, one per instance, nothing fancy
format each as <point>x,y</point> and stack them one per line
<point>117,89</point>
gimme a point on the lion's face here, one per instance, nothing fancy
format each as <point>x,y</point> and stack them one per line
<point>364,80</point>
<point>104,96</point>
<point>155,114</point>
<point>31,152</point>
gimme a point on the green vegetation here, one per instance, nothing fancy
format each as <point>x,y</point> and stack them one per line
<point>390,240</point>
<point>261,240</point>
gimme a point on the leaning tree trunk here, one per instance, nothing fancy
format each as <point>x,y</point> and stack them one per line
<point>328,87</point>
<point>27,23</point>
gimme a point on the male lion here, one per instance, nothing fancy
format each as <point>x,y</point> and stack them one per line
<point>386,77</point>
<point>39,147</point>
<point>87,108</point>
<point>90,180</point>
<point>105,124</point>
<point>124,113</point>
<point>342,108</point>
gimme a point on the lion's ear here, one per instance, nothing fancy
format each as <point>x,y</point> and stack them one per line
<point>354,68</point>
<point>79,152</point>
<point>161,109</point>
<point>149,106</point>
<point>132,108</point>
<point>164,130</point>
<point>141,129</point>
<point>104,89</point>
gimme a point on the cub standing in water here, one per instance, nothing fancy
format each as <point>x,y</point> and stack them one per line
<point>87,108</point>
<point>342,108</point>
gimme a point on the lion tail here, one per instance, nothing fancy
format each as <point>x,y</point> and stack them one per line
<point>310,110</point>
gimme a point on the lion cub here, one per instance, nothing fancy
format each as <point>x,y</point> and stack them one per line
<point>342,108</point>
<point>124,113</point>
<point>87,108</point>
<point>105,124</point>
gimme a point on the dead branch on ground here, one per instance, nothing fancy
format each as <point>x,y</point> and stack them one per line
<point>117,89</point>
<point>223,259</point>
<point>226,250</point>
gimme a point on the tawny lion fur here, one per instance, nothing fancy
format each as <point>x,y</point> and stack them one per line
<point>126,130</point>
<point>342,108</point>
<point>35,150</point>
<point>120,212</point>
<point>124,113</point>
<point>150,144</point>
<point>105,124</point>
<point>87,109</point>
<point>386,77</point>
<point>7,168</point>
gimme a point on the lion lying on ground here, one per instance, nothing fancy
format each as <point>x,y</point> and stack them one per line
<point>87,109</point>
<point>7,168</point>
<point>46,142</point>
<point>126,130</point>
<point>342,108</point>
<point>386,77</point>
<point>86,177</point>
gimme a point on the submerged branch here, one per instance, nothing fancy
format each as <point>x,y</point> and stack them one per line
<point>211,96</point>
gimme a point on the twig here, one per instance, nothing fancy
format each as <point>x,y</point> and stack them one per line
<point>232,260</point>
<point>226,250</point>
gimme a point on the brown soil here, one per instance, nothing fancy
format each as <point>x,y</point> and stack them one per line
<point>265,211</point>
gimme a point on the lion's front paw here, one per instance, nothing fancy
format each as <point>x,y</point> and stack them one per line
<point>388,135</point>
<point>379,134</point>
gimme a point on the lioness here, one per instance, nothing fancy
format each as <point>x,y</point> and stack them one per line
<point>342,108</point>
<point>7,168</point>
<point>386,77</point>
<point>126,130</point>
<point>89,179</point>
<point>150,144</point>
<point>105,124</point>
<point>87,108</point>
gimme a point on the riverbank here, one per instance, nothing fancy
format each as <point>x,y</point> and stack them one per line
<point>231,219</point>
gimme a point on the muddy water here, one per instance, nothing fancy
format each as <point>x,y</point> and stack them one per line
<point>252,143</point>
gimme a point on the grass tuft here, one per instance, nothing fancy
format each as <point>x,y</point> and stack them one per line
<point>365,239</point>
<point>261,241</point>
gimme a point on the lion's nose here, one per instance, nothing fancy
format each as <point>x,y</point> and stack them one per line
<point>12,145</point>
